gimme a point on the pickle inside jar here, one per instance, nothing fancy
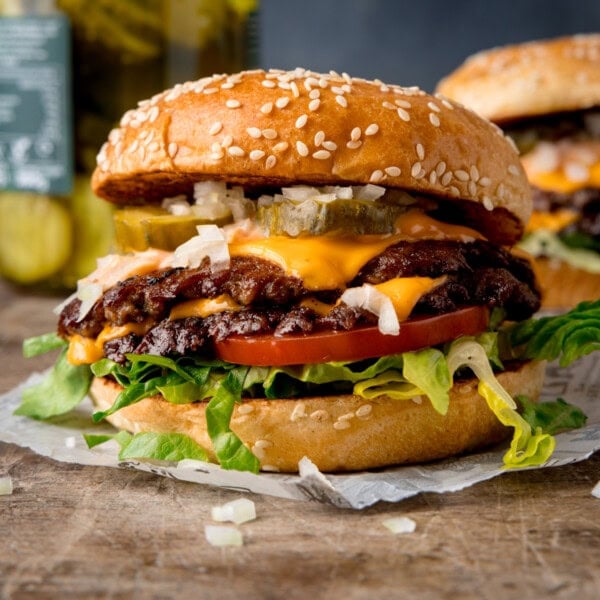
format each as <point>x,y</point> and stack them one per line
<point>36,237</point>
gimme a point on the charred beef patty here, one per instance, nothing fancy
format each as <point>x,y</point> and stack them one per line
<point>476,273</point>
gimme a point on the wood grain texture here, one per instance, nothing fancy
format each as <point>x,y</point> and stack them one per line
<point>71,531</point>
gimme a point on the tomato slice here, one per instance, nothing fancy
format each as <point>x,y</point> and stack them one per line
<point>356,344</point>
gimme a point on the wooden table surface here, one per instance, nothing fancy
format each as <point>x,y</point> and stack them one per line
<point>71,531</point>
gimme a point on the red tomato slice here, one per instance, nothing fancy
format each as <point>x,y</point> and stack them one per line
<point>356,344</point>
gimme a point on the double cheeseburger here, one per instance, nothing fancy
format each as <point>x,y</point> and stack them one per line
<point>546,96</point>
<point>312,265</point>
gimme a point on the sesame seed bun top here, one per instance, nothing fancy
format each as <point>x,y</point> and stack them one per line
<point>277,128</point>
<point>526,80</point>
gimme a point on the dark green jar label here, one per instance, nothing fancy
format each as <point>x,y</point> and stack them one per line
<point>36,129</point>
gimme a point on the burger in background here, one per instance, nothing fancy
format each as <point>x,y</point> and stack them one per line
<point>546,97</point>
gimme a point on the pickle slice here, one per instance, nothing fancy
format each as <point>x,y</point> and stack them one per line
<point>312,217</point>
<point>36,237</point>
<point>139,228</point>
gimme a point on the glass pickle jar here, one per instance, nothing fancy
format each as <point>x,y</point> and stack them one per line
<point>121,51</point>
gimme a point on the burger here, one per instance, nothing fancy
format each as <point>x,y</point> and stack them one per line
<point>311,265</point>
<point>546,97</point>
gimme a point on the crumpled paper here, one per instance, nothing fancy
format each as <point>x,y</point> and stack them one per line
<point>61,439</point>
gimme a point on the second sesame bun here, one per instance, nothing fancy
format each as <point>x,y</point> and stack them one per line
<point>280,128</point>
<point>564,286</point>
<point>530,79</point>
<point>337,433</point>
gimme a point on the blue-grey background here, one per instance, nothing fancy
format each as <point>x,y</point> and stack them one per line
<point>408,43</point>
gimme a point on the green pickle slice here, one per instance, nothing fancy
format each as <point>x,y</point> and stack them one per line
<point>313,217</point>
<point>139,228</point>
<point>36,237</point>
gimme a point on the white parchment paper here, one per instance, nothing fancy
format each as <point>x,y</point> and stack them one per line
<point>61,439</point>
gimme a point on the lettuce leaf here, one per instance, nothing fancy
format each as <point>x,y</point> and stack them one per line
<point>64,387</point>
<point>567,337</point>
<point>428,370</point>
<point>41,344</point>
<point>551,417</point>
<point>158,446</point>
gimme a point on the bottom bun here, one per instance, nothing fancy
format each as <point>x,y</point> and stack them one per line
<point>337,433</point>
<point>564,286</point>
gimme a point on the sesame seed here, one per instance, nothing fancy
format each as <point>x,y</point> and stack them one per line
<point>416,169</point>
<point>446,178</point>
<point>454,191</point>
<point>172,149</point>
<point>227,85</point>
<point>314,94</point>
<point>302,148</point>
<point>232,103</point>
<point>402,103</point>
<point>295,90</point>
<point>341,101</point>
<point>472,188</point>
<point>372,129</point>
<point>329,145</point>
<point>403,114</point>
<point>256,154</point>
<point>461,175</point>
<point>364,411</point>
<point>321,154</point>
<point>280,147</point>
<point>323,83</point>
<point>266,108</point>
<point>319,138</point>
<point>474,172</point>
<point>420,151</point>
<point>268,83</point>
<point>153,147</point>
<point>434,107</point>
<point>263,444</point>
<point>376,176</point>
<point>336,89</point>
<point>440,168</point>
<point>282,102</point>
<point>269,134</point>
<point>216,147</point>
<point>271,161</point>
<point>301,121</point>
<point>355,134</point>
<point>284,85</point>
<point>487,203</point>
<point>215,128</point>
<point>208,91</point>
<point>153,114</point>
<point>227,141</point>
<point>299,411</point>
<point>353,144</point>
<point>393,171</point>
<point>434,119</point>
<point>244,409</point>
<point>314,104</point>
<point>254,132</point>
<point>387,104</point>
<point>485,181</point>
<point>319,415</point>
<point>513,170</point>
<point>235,151</point>
<point>433,178</point>
<point>341,425</point>
<point>447,104</point>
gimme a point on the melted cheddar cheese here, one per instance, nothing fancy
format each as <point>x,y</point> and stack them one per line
<point>404,292</point>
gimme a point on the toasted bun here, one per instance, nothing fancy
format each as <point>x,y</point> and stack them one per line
<point>338,433</point>
<point>564,286</point>
<point>279,128</point>
<point>535,78</point>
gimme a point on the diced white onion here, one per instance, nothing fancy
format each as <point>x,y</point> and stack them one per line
<point>369,192</point>
<point>222,535</point>
<point>6,486</point>
<point>299,192</point>
<point>237,511</point>
<point>178,205</point>
<point>596,490</point>
<point>370,298</point>
<point>89,293</point>
<point>210,242</point>
<point>400,525</point>
<point>246,229</point>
